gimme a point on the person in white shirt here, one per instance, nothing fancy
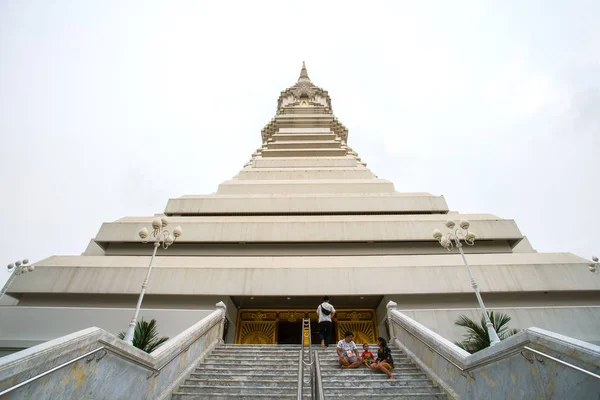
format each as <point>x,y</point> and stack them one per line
<point>348,352</point>
<point>325,311</point>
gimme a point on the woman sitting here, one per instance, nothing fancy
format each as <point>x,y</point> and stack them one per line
<point>384,361</point>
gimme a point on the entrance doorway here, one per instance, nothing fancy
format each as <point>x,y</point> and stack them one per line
<point>291,332</point>
<point>256,326</point>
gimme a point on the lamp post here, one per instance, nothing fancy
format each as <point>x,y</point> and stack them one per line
<point>595,266</point>
<point>453,239</point>
<point>16,269</point>
<point>162,237</point>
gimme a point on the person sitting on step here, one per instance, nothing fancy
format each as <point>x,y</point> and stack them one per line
<point>384,361</point>
<point>366,355</point>
<point>348,352</point>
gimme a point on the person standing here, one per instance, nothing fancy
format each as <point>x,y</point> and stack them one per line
<point>325,311</point>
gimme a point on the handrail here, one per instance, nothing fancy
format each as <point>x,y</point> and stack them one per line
<point>10,389</point>
<point>498,358</point>
<point>313,385</point>
<point>306,339</point>
<point>318,379</point>
<point>155,371</point>
<point>300,373</point>
<point>562,362</point>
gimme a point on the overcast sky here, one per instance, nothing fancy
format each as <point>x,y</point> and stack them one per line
<point>108,109</point>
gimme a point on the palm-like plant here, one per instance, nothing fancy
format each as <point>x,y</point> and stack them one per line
<point>145,336</point>
<point>477,337</point>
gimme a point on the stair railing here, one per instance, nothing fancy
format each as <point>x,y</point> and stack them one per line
<point>315,371</point>
<point>506,354</point>
<point>300,373</point>
<point>191,344</point>
<point>318,382</point>
<point>459,373</point>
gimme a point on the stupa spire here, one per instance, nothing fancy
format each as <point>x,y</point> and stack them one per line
<point>303,73</point>
<point>304,93</point>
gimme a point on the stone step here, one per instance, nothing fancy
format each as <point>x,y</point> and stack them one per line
<point>256,357</point>
<point>281,375</point>
<point>282,347</point>
<point>221,396</point>
<point>257,363</point>
<point>307,152</point>
<point>376,381</point>
<point>339,373</point>
<point>336,367</point>
<point>364,371</point>
<point>251,360</point>
<point>304,144</point>
<point>276,346</point>
<point>252,382</point>
<point>332,348</point>
<point>290,347</point>
<point>378,396</point>
<point>303,136</point>
<point>334,359</point>
<point>349,374</point>
<point>286,353</point>
<point>390,387</point>
<point>336,364</point>
<point>247,369</point>
<point>242,390</point>
<point>255,351</point>
<point>334,355</point>
<point>243,357</point>
<point>326,353</point>
<point>372,347</point>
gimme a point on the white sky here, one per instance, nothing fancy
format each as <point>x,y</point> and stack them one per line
<point>108,109</point>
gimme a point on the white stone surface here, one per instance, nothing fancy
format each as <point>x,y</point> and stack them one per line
<point>507,370</point>
<point>583,321</point>
<point>328,228</point>
<point>114,370</point>
<point>306,186</point>
<point>304,216</point>
<point>254,276</point>
<point>307,203</point>
<point>25,322</point>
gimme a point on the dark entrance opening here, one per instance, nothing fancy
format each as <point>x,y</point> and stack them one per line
<point>291,332</point>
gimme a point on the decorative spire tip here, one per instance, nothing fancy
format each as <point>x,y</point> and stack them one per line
<point>303,73</point>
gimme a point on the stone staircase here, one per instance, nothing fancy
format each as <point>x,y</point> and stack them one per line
<point>362,383</point>
<point>271,371</point>
<point>234,371</point>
